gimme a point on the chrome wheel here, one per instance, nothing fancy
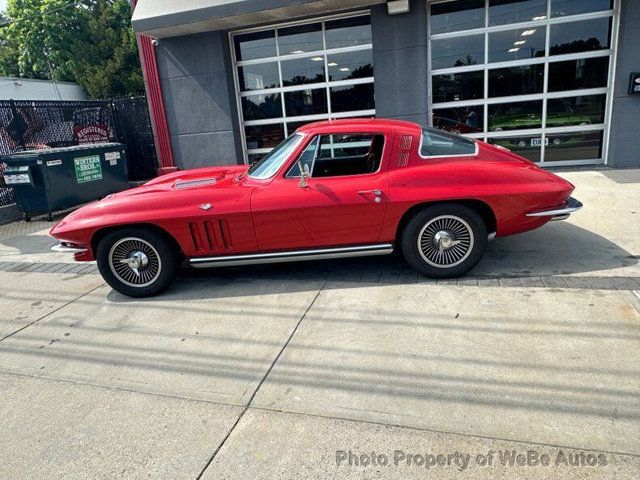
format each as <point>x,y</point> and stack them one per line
<point>445,241</point>
<point>135,262</point>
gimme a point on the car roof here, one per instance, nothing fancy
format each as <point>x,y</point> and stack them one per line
<point>356,123</point>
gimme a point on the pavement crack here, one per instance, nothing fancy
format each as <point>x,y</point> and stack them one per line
<point>51,312</point>
<point>262,380</point>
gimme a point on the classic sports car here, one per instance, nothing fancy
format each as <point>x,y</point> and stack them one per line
<point>331,189</point>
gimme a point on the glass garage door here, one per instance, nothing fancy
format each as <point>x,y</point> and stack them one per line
<point>531,75</point>
<point>300,73</point>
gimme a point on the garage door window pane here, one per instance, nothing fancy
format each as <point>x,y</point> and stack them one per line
<point>573,146</point>
<point>303,70</point>
<point>527,147</point>
<point>454,87</point>
<point>502,12</point>
<point>354,97</point>
<point>255,45</point>
<point>300,39</point>
<point>560,8</point>
<point>515,116</point>
<point>516,80</point>
<point>456,16</point>
<point>264,136</point>
<point>576,74</point>
<point>344,66</point>
<point>348,32</point>
<point>575,110</point>
<point>582,36</point>
<point>459,119</point>
<point>517,44</point>
<point>306,102</point>
<point>258,77</point>
<point>457,52</point>
<point>258,107</point>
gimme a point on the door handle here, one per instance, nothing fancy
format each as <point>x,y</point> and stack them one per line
<point>376,192</point>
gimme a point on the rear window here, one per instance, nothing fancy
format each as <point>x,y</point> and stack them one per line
<point>438,143</point>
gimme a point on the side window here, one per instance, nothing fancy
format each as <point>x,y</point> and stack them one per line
<point>439,143</point>
<point>341,154</point>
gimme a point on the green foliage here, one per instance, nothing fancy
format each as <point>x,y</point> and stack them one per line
<point>88,41</point>
<point>8,52</point>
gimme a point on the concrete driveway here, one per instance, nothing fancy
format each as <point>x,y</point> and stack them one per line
<point>340,369</point>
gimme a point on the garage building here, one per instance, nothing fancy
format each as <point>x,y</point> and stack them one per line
<point>549,79</point>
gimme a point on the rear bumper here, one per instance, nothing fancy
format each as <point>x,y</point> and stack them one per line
<point>560,213</point>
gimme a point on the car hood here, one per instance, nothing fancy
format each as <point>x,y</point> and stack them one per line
<point>161,197</point>
<point>189,179</point>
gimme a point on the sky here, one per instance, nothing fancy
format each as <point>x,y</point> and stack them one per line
<point>3,5</point>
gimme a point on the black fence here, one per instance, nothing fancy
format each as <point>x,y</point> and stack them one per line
<point>27,125</point>
<point>133,128</point>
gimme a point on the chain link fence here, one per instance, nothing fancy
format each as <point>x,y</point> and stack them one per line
<point>27,125</point>
<point>133,128</point>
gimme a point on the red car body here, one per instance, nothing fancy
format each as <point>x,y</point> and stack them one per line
<point>221,211</point>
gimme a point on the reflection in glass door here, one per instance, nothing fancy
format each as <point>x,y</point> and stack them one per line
<point>299,73</point>
<point>531,75</point>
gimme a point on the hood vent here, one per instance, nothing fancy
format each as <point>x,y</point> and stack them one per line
<point>194,183</point>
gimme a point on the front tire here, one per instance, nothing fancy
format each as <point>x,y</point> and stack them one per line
<point>444,241</point>
<point>137,262</point>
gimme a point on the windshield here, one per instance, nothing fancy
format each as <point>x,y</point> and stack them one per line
<point>268,165</point>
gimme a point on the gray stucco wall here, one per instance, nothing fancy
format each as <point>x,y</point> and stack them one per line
<point>625,119</point>
<point>197,87</point>
<point>400,62</point>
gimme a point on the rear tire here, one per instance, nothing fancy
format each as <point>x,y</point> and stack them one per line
<point>137,262</point>
<point>444,241</point>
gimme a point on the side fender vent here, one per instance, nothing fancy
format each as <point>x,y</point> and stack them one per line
<point>196,236</point>
<point>210,235</point>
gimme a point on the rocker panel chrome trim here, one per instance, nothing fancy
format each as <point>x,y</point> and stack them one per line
<point>292,256</point>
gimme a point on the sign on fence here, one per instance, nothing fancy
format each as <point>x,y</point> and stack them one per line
<point>91,134</point>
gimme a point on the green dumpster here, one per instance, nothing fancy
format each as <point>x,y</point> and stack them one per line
<point>53,179</point>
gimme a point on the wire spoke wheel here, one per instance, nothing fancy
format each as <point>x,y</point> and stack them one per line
<point>445,241</point>
<point>135,262</point>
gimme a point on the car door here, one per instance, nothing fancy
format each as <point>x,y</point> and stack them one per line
<point>343,203</point>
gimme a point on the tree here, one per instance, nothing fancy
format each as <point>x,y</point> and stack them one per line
<point>8,52</point>
<point>87,41</point>
<point>41,31</point>
<point>105,59</point>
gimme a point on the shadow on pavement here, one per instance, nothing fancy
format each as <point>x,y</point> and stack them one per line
<point>556,249</point>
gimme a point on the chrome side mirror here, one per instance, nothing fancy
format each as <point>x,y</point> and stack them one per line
<point>304,175</point>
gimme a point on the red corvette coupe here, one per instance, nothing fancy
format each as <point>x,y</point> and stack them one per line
<point>331,189</point>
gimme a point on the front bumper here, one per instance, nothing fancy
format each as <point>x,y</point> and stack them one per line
<point>66,248</point>
<point>560,213</point>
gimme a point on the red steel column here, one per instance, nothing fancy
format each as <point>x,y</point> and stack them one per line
<point>156,103</point>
